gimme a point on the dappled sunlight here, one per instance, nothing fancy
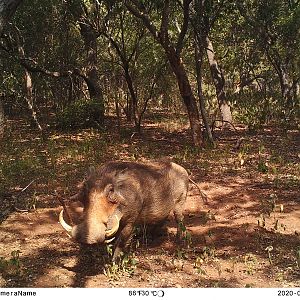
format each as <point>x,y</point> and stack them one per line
<point>249,206</point>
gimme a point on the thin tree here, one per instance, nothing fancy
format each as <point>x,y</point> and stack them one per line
<point>7,9</point>
<point>173,51</point>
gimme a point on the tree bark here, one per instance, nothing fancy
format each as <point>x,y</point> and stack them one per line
<point>126,55</point>
<point>91,75</point>
<point>198,63</point>
<point>280,62</point>
<point>219,83</point>
<point>7,9</point>
<point>27,80</point>
<point>186,94</point>
<point>133,98</point>
<point>287,90</point>
<point>29,99</point>
<point>2,119</point>
<point>287,85</point>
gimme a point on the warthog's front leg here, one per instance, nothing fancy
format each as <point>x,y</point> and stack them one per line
<point>123,240</point>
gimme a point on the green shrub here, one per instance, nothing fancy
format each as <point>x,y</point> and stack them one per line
<point>11,267</point>
<point>81,114</point>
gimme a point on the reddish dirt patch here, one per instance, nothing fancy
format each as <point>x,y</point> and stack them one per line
<point>227,247</point>
<point>246,235</point>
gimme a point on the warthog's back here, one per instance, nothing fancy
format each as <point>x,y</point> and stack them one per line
<point>163,192</point>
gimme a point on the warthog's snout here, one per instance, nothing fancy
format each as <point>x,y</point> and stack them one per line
<point>91,233</point>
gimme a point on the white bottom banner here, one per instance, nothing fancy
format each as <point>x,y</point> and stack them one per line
<point>150,293</point>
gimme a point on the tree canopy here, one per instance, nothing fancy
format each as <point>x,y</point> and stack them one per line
<point>212,60</point>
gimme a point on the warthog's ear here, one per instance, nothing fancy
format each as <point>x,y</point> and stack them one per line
<point>90,180</point>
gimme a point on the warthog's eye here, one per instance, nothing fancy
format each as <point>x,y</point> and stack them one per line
<point>110,193</point>
<point>112,197</point>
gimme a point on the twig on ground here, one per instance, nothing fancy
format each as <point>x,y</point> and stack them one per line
<point>14,206</point>
<point>25,188</point>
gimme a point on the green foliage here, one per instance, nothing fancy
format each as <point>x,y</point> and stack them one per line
<point>262,166</point>
<point>124,266</point>
<point>185,235</point>
<point>251,263</point>
<point>254,45</point>
<point>208,254</point>
<point>12,266</point>
<point>80,114</point>
<point>260,41</point>
<point>24,167</point>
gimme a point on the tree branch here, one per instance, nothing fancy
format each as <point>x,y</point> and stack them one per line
<point>247,81</point>
<point>185,25</point>
<point>142,14</point>
<point>146,102</point>
<point>7,9</point>
<point>216,14</point>
<point>32,66</point>
<point>116,46</point>
<point>136,45</point>
<point>164,26</point>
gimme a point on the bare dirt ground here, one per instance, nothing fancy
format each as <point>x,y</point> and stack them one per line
<point>246,235</point>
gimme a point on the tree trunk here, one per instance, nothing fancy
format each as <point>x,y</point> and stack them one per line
<point>2,119</point>
<point>128,109</point>
<point>219,82</point>
<point>296,89</point>
<point>92,77</point>
<point>143,110</point>
<point>7,9</point>
<point>118,113</point>
<point>287,84</point>
<point>198,62</point>
<point>29,100</point>
<point>27,80</point>
<point>186,94</point>
<point>287,91</point>
<point>132,107</point>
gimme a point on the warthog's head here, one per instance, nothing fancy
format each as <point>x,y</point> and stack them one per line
<point>100,220</point>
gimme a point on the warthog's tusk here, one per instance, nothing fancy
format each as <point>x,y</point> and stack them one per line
<point>63,223</point>
<point>114,229</point>
<point>108,241</point>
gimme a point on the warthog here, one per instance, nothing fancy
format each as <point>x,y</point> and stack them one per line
<point>120,195</point>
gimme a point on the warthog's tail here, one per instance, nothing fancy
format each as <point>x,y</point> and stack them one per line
<point>203,195</point>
